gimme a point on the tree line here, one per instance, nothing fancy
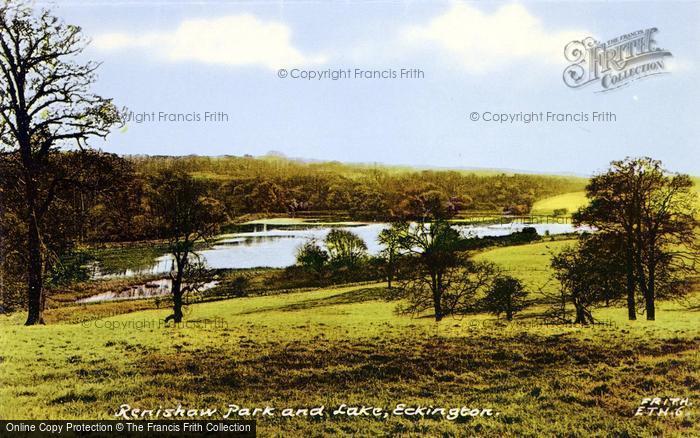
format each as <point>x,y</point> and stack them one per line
<point>274,184</point>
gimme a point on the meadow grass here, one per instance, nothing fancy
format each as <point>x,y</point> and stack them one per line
<point>347,345</point>
<point>529,263</point>
<point>574,200</point>
<point>570,201</point>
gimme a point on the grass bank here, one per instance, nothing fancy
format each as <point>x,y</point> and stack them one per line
<point>569,201</point>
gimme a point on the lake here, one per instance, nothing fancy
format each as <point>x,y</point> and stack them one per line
<point>276,247</point>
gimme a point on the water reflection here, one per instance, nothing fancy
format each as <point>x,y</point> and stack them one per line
<point>147,290</point>
<point>276,247</point>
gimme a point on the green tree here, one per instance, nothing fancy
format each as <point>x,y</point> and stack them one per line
<point>604,255</point>
<point>267,196</point>
<point>507,295</point>
<point>427,205</point>
<point>436,245</point>
<point>391,240</point>
<point>345,247</point>
<point>440,276</point>
<point>654,213</point>
<point>589,273</point>
<point>78,183</point>
<point>310,255</point>
<point>570,271</point>
<point>185,215</point>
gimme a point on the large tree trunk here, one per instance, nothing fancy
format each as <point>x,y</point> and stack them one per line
<point>35,281</point>
<point>177,294</point>
<point>650,298</point>
<point>642,279</point>
<point>390,271</point>
<point>438,307</point>
<point>583,315</point>
<point>437,298</point>
<point>631,302</point>
<point>646,293</point>
<point>650,306</point>
<point>35,265</point>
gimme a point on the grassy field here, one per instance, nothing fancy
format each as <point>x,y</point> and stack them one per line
<point>574,200</point>
<point>570,201</point>
<point>346,345</point>
<point>529,263</point>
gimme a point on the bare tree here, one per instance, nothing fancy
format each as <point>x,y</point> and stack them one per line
<point>45,104</point>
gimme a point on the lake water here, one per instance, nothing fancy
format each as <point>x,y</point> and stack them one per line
<point>276,247</point>
<point>152,289</point>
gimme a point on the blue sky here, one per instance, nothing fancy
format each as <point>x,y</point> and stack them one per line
<point>185,57</point>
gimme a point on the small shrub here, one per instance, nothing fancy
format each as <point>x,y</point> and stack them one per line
<point>506,296</point>
<point>310,255</point>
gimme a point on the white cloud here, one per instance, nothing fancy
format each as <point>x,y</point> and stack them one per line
<point>482,42</point>
<point>236,40</point>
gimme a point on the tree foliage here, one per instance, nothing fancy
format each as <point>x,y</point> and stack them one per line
<point>441,278</point>
<point>653,214</point>
<point>505,296</point>
<point>392,239</point>
<point>590,274</point>
<point>345,247</point>
<point>311,256</point>
<point>248,185</point>
<point>86,205</point>
<point>572,270</point>
<point>185,215</point>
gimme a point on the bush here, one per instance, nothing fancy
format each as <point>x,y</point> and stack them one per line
<point>238,286</point>
<point>345,247</point>
<point>311,256</point>
<point>506,296</point>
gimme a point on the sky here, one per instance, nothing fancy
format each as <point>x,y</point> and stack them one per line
<point>194,57</point>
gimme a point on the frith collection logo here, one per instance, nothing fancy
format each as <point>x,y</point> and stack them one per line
<point>615,63</point>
